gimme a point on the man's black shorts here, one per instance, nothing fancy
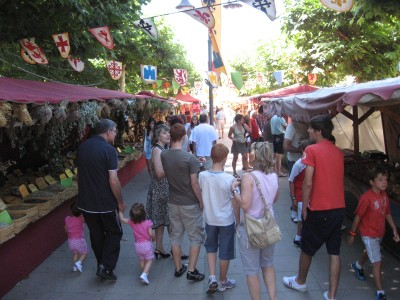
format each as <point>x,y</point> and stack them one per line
<point>277,141</point>
<point>321,227</point>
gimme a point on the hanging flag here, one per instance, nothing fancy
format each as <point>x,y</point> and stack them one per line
<point>215,7</point>
<point>25,57</point>
<point>34,51</point>
<point>181,76</point>
<point>312,78</point>
<point>148,26</point>
<point>148,73</point>
<point>103,35</point>
<point>213,78</point>
<point>279,77</point>
<point>338,5</point>
<point>76,63</point>
<point>217,59</point>
<point>237,80</point>
<point>203,15</point>
<point>266,6</point>
<point>115,69</point>
<point>62,43</point>
<point>260,77</point>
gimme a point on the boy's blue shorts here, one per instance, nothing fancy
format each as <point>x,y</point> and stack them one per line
<point>222,237</point>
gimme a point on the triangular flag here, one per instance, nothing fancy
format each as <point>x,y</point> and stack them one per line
<point>175,85</point>
<point>148,26</point>
<point>103,35</point>
<point>115,69</point>
<point>62,43</point>
<point>237,80</point>
<point>166,86</point>
<point>25,57</point>
<point>266,6</point>
<point>34,51</point>
<point>203,15</point>
<point>159,82</point>
<point>340,6</point>
<point>217,59</point>
<point>278,76</point>
<point>198,85</point>
<point>181,76</point>
<point>76,63</point>
<point>148,73</point>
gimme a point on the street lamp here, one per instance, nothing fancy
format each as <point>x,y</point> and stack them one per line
<point>184,5</point>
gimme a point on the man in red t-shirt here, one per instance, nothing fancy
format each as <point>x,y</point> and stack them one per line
<point>323,205</point>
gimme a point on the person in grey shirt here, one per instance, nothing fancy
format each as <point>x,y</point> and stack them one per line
<point>185,202</point>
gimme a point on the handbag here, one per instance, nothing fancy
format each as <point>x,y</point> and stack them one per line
<point>262,232</point>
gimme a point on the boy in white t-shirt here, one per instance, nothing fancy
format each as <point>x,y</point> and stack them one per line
<point>219,216</point>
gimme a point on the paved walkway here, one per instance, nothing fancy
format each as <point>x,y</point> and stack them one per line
<point>54,278</point>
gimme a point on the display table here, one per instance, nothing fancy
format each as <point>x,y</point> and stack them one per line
<point>22,254</point>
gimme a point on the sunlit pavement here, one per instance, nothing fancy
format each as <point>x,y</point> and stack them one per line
<point>54,278</point>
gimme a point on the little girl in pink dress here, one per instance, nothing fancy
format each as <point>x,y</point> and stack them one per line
<point>143,233</point>
<point>74,226</point>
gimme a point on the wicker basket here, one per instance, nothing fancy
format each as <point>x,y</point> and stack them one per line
<point>43,206</point>
<point>20,221</point>
<point>6,233</point>
<point>31,211</point>
<point>44,195</point>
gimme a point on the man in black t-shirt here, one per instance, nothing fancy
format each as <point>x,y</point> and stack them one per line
<point>100,197</point>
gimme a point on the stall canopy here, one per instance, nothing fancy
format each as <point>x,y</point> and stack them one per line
<point>286,91</point>
<point>28,91</point>
<point>186,98</point>
<point>303,107</point>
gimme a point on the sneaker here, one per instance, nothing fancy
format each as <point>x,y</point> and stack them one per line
<point>326,296</point>
<point>78,266</point>
<point>296,243</point>
<point>294,220</point>
<point>380,296</point>
<point>179,273</point>
<point>107,274</point>
<point>195,275</point>
<point>144,278</point>
<point>74,269</point>
<point>228,284</point>
<point>358,272</point>
<point>290,282</point>
<point>212,286</point>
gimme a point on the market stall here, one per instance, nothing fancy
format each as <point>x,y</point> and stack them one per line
<point>188,103</point>
<point>41,125</point>
<point>367,128</point>
<point>286,91</point>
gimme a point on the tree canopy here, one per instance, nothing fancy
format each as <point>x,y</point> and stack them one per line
<point>42,18</point>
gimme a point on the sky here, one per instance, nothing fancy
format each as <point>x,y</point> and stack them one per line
<point>242,29</point>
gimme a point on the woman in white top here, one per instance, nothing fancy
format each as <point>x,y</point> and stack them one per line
<point>250,201</point>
